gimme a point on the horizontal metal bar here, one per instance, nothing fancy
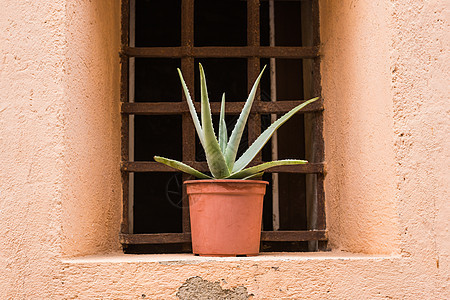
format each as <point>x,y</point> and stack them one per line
<point>294,236</point>
<point>154,52</point>
<point>266,236</point>
<point>154,108</point>
<point>218,52</point>
<point>279,0</point>
<point>309,168</point>
<point>174,108</point>
<point>156,238</point>
<point>149,166</point>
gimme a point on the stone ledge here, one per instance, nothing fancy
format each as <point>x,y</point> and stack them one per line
<point>186,258</point>
<point>326,275</point>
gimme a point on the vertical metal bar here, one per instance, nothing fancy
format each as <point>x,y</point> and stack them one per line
<point>273,118</point>
<point>188,139</point>
<point>253,67</point>
<point>311,179</point>
<point>125,18</point>
<point>131,93</point>
<point>321,221</point>
<point>187,23</point>
<point>315,22</point>
<point>188,130</point>
<point>318,126</point>
<point>125,177</point>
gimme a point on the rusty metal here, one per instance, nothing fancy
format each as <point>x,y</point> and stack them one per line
<point>188,130</point>
<point>232,108</point>
<point>125,176</point>
<point>281,0</point>
<point>187,23</point>
<point>156,238</point>
<point>221,52</point>
<point>319,148</point>
<point>321,218</point>
<point>321,221</point>
<point>125,118</point>
<point>253,68</point>
<point>145,166</point>
<point>125,21</point>
<point>253,52</point>
<point>266,236</point>
<point>316,22</point>
<point>291,236</point>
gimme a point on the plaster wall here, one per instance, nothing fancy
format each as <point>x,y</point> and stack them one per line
<point>385,73</point>
<point>32,47</point>
<point>59,143</point>
<point>358,125</point>
<point>91,204</point>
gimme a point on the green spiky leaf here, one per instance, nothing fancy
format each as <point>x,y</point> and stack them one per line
<point>214,156</point>
<point>223,134</point>
<point>249,172</point>
<point>254,176</point>
<point>181,166</point>
<point>192,110</point>
<point>259,143</point>
<point>221,153</point>
<point>236,135</point>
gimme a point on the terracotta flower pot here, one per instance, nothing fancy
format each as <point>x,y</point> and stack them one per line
<point>225,216</point>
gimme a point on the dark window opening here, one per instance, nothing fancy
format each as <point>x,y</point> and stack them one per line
<point>160,36</point>
<point>223,75</point>
<point>153,76</point>
<point>220,23</point>
<point>157,23</point>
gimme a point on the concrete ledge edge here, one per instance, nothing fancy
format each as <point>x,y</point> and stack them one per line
<point>187,258</point>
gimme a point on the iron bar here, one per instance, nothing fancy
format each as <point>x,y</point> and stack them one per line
<point>253,52</point>
<point>221,52</point>
<point>146,166</point>
<point>273,118</point>
<point>188,130</point>
<point>266,236</point>
<point>124,69</point>
<point>318,142</point>
<point>175,108</point>
<point>253,68</point>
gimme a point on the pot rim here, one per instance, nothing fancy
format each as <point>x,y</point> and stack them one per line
<point>243,181</point>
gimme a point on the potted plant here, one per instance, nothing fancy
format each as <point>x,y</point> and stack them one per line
<point>226,207</point>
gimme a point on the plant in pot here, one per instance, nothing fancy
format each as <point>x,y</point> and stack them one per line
<point>226,207</point>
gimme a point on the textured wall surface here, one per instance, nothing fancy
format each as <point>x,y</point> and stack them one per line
<point>282,276</point>
<point>360,184</point>
<point>385,84</point>
<point>91,207</point>
<point>420,70</point>
<point>59,143</point>
<point>31,144</point>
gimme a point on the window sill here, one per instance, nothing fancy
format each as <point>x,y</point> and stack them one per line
<point>186,258</point>
<point>280,275</point>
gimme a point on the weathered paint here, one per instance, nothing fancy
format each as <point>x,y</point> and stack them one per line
<point>385,72</point>
<point>358,125</point>
<point>287,276</point>
<point>198,288</point>
<point>91,204</point>
<point>59,114</point>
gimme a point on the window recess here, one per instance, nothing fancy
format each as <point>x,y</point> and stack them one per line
<point>233,40</point>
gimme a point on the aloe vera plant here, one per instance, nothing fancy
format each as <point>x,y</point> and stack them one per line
<point>221,152</point>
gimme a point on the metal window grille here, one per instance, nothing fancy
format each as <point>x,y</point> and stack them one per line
<point>253,52</point>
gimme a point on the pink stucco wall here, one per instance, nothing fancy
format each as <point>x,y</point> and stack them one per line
<point>59,114</point>
<point>385,83</point>
<point>360,187</point>
<point>91,205</point>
